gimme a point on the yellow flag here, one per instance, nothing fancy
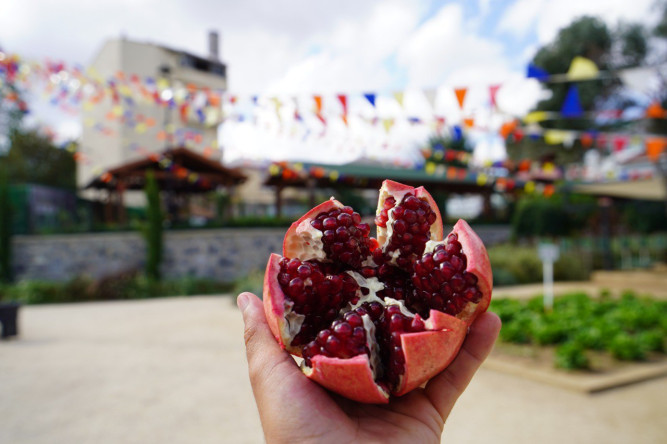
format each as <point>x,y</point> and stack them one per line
<point>398,95</point>
<point>388,123</point>
<point>430,168</point>
<point>555,137</point>
<point>582,68</point>
<point>536,116</point>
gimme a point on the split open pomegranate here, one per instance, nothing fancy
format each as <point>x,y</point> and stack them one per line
<point>370,317</point>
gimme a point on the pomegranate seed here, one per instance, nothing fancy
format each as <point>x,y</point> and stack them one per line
<point>304,271</point>
<point>439,257</point>
<point>345,219</point>
<point>400,226</point>
<point>343,330</point>
<point>333,345</point>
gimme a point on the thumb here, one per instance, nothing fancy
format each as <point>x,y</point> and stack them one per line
<point>262,350</point>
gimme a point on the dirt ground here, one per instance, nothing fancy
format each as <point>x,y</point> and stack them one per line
<point>173,370</point>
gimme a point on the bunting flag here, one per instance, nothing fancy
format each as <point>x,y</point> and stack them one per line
<point>371,98</point>
<point>342,98</point>
<point>493,91</point>
<point>655,111</point>
<point>654,148</point>
<point>620,141</point>
<point>582,68</point>
<point>388,124</point>
<point>535,72</point>
<point>460,96</point>
<point>399,96</point>
<point>430,95</point>
<point>318,104</point>
<point>572,105</point>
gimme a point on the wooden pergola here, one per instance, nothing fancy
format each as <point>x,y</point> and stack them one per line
<point>369,176</point>
<point>178,171</point>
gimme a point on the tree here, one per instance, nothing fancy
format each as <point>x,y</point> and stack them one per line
<point>33,158</point>
<point>154,228</point>
<point>609,48</point>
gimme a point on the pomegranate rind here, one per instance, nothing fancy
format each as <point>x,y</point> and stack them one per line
<point>293,244</point>
<point>398,191</point>
<point>478,264</point>
<point>429,352</point>
<point>275,305</point>
<point>351,378</point>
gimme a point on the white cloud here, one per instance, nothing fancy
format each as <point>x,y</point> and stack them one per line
<point>547,17</point>
<point>519,18</point>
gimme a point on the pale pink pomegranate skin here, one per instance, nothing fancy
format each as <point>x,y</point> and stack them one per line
<point>426,353</point>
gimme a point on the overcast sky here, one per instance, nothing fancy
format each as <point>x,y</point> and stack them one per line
<point>312,47</point>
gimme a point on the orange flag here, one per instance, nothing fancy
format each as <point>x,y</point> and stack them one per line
<point>469,122</point>
<point>655,111</point>
<point>654,147</point>
<point>460,95</point>
<point>318,104</point>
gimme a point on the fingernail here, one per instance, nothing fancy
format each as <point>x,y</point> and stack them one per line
<point>242,301</point>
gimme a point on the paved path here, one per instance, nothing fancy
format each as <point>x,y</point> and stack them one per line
<point>174,371</point>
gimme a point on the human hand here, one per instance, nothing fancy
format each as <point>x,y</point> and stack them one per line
<point>293,408</point>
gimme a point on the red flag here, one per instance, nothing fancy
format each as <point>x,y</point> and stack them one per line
<point>343,102</point>
<point>460,95</point>
<point>619,143</point>
<point>493,90</point>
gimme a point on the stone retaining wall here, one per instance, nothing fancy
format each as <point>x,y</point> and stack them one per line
<point>217,254</point>
<point>223,255</point>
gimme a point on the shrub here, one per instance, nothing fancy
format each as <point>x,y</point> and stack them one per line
<point>5,229</point>
<point>626,348</point>
<point>153,231</point>
<point>252,282</point>
<point>571,356</point>
<point>513,264</point>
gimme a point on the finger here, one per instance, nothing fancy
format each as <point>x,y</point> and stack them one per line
<point>265,357</point>
<point>444,389</point>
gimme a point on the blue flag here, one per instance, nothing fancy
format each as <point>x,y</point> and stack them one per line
<point>572,105</point>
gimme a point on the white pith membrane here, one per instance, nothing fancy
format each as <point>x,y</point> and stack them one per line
<point>386,231</point>
<point>307,245</point>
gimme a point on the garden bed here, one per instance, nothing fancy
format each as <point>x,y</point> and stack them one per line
<point>585,343</point>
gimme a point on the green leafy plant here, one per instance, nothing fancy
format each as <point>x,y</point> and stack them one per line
<point>571,356</point>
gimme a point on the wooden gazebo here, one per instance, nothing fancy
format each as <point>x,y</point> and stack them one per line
<point>370,176</point>
<point>178,171</point>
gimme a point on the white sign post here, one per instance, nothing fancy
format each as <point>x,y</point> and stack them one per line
<point>548,254</point>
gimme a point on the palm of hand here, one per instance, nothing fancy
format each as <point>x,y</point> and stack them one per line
<point>295,409</point>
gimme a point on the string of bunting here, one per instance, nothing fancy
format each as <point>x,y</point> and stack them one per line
<point>74,89</point>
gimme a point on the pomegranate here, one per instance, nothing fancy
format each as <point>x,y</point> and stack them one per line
<point>370,317</point>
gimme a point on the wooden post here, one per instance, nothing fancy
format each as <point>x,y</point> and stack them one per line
<point>279,200</point>
<point>311,192</point>
<point>122,214</point>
